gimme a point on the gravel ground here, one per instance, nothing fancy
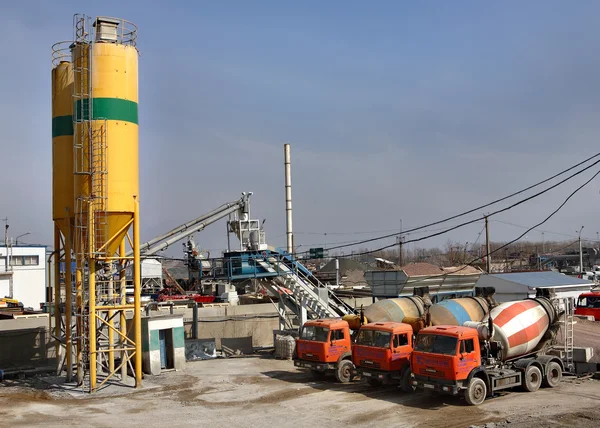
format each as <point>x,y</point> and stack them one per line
<point>257,392</point>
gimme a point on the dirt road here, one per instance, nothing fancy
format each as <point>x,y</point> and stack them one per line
<point>262,392</point>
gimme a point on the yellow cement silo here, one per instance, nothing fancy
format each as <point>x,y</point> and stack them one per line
<point>108,128</point>
<point>62,144</point>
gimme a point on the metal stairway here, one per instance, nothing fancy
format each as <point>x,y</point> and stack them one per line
<point>300,292</point>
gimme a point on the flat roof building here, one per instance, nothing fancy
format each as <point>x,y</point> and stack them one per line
<point>23,274</point>
<point>521,285</point>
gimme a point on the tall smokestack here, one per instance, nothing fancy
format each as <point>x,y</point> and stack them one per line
<point>288,198</point>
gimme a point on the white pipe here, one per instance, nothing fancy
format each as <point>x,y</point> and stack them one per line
<point>288,198</point>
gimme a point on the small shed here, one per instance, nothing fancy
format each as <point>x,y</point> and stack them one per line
<point>163,343</point>
<point>521,285</point>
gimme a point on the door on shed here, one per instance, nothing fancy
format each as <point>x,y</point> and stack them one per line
<point>162,338</point>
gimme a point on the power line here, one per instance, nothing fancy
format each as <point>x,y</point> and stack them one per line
<point>484,206</point>
<point>542,230</point>
<point>496,212</point>
<point>523,234</point>
<point>351,243</point>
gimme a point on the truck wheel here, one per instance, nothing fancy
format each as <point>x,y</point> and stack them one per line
<point>532,379</point>
<point>553,375</point>
<point>375,383</point>
<point>476,392</point>
<point>406,382</point>
<point>318,375</point>
<point>344,371</point>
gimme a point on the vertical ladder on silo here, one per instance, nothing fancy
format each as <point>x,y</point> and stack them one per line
<point>82,166</point>
<point>81,123</point>
<point>569,333</point>
<point>99,178</point>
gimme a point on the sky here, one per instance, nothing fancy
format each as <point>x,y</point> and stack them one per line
<point>398,113</point>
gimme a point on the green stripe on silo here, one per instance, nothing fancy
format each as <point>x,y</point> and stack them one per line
<point>62,126</point>
<point>107,108</point>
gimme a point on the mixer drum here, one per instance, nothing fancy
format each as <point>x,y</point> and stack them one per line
<point>519,326</point>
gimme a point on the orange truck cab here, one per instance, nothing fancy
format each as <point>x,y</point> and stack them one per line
<point>589,304</point>
<point>382,352</point>
<point>325,346</point>
<point>454,360</point>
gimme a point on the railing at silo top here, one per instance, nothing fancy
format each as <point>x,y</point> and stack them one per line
<point>61,52</point>
<point>126,30</point>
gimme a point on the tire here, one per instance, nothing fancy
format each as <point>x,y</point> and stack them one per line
<point>318,375</point>
<point>375,383</point>
<point>532,379</point>
<point>406,381</point>
<point>553,375</point>
<point>476,392</point>
<point>343,373</point>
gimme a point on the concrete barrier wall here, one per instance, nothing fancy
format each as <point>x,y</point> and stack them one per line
<point>261,330</point>
<point>25,344</point>
<point>257,321</point>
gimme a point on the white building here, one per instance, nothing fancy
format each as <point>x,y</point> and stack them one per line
<point>521,285</point>
<point>23,274</point>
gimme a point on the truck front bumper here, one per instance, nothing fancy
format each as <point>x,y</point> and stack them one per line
<point>427,385</point>
<point>313,365</point>
<point>368,373</point>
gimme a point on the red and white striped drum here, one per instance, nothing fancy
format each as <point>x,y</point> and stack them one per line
<point>520,325</point>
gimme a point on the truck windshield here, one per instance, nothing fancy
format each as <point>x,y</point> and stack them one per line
<point>378,339</point>
<point>436,344</point>
<point>589,302</point>
<point>317,334</point>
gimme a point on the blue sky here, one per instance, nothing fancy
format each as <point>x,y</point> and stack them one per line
<point>394,110</point>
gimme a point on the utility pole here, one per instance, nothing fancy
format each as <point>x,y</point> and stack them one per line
<point>543,244</point>
<point>400,257</point>
<point>488,261</point>
<point>5,220</point>
<point>580,253</point>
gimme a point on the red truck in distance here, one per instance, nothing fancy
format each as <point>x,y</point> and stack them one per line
<point>589,304</point>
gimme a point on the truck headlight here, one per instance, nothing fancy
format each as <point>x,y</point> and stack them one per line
<point>445,388</point>
<point>415,383</point>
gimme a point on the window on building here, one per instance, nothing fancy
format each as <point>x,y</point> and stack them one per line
<point>24,260</point>
<point>31,260</point>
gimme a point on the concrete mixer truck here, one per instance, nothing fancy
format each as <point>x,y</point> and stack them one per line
<point>325,346</point>
<point>381,353</point>
<point>477,359</point>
